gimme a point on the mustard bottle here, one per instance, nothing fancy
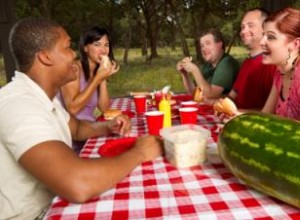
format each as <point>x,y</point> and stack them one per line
<point>165,107</point>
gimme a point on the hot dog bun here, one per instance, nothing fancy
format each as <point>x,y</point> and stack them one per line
<point>105,61</point>
<point>109,114</point>
<point>225,106</point>
<point>198,94</point>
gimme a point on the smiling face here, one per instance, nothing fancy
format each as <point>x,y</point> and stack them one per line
<point>276,46</point>
<point>211,50</point>
<point>63,59</point>
<point>251,29</point>
<point>97,48</point>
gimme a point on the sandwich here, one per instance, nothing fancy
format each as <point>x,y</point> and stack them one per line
<point>225,106</point>
<point>111,113</point>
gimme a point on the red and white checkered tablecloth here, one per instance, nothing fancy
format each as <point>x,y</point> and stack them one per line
<point>157,190</point>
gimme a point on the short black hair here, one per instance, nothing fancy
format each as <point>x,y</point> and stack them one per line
<point>29,36</point>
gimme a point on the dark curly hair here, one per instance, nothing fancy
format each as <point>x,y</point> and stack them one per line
<point>29,36</point>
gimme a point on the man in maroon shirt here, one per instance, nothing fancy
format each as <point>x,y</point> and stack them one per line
<point>254,81</point>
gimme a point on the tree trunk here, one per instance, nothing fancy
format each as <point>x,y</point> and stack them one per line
<point>152,36</point>
<point>144,43</point>
<point>7,18</point>
<point>184,45</point>
<point>173,37</point>
<point>196,27</point>
<point>196,39</point>
<point>111,16</point>
<point>236,34</point>
<point>128,38</point>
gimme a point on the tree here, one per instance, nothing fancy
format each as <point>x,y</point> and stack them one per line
<point>175,20</point>
<point>153,12</point>
<point>126,23</point>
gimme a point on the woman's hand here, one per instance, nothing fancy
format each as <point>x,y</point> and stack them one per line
<point>107,68</point>
<point>114,67</point>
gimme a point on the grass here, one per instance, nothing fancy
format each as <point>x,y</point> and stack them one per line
<point>141,76</point>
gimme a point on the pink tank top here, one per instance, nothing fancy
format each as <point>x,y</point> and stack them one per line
<point>87,112</point>
<point>290,106</point>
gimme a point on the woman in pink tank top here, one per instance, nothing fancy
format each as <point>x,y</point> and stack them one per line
<point>281,46</point>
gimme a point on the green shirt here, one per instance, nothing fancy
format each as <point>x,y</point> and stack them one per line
<point>224,74</point>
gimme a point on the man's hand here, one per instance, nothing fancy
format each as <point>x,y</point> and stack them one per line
<point>120,124</point>
<point>189,66</point>
<point>149,146</point>
<point>180,64</point>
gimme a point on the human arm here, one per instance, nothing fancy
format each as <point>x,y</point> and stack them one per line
<point>104,99</point>
<point>187,82</point>
<point>78,180</point>
<point>209,90</point>
<point>270,104</point>
<point>82,130</point>
<point>232,94</point>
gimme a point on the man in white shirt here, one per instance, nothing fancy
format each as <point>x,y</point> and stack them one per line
<point>36,160</point>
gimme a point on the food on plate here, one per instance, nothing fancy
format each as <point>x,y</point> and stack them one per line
<point>111,113</point>
<point>105,61</point>
<point>263,151</point>
<point>225,106</point>
<point>198,94</point>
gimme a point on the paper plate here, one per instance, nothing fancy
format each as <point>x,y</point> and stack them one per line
<point>116,147</point>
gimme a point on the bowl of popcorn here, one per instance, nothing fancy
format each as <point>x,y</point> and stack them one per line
<point>185,145</point>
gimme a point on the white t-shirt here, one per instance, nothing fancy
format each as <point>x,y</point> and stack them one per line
<point>27,118</point>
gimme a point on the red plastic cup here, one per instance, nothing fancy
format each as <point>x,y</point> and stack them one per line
<point>140,103</point>
<point>186,104</point>
<point>158,97</point>
<point>188,115</point>
<point>154,121</point>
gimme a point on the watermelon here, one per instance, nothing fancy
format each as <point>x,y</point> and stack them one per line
<point>263,151</point>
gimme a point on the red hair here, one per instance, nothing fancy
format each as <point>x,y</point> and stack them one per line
<point>287,21</point>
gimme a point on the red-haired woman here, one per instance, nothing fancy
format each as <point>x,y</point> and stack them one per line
<point>281,46</point>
